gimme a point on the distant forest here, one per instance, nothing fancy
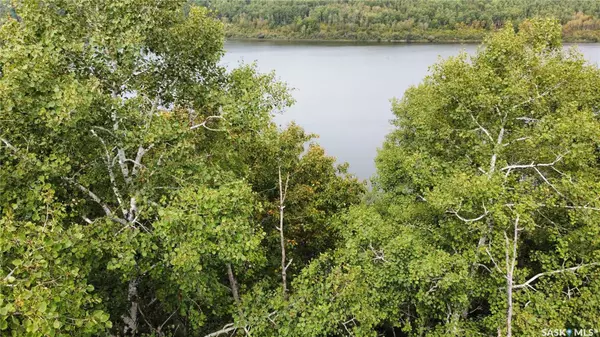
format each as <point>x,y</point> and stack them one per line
<point>402,20</point>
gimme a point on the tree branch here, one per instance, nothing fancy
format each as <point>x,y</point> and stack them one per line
<point>515,140</point>
<point>492,259</point>
<point>99,201</point>
<point>533,164</point>
<point>548,182</point>
<point>9,145</point>
<point>288,264</point>
<point>528,282</point>
<point>527,119</point>
<point>581,207</point>
<point>111,174</point>
<point>138,159</point>
<point>203,124</point>
<point>168,318</point>
<point>486,212</point>
<point>226,329</point>
<point>536,97</point>
<point>487,133</point>
<point>379,254</point>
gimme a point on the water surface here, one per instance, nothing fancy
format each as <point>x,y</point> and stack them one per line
<point>343,90</point>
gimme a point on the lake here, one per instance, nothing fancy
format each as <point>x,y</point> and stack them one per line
<point>343,90</point>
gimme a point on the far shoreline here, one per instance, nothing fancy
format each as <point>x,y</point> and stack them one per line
<point>375,42</point>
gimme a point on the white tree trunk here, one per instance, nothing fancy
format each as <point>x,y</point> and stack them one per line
<point>131,321</point>
<point>511,260</point>
<point>284,266</point>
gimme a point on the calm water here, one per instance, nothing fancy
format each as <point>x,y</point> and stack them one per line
<point>343,91</point>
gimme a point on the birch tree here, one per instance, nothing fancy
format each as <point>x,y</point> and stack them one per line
<point>118,116</point>
<point>133,200</point>
<point>498,151</point>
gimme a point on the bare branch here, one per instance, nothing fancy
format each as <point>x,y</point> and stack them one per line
<point>145,320</point>
<point>528,282</point>
<point>379,254</point>
<point>533,164</point>
<point>168,318</point>
<point>485,213</point>
<point>131,318</point>
<point>287,181</point>
<point>226,329</point>
<point>516,140</point>
<point>547,182</point>
<point>581,207</point>
<point>434,286</point>
<point>469,220</point>
<point>346,327</point>
<point>9,145</point>
<point>288,264</point>
<point>482,265</point>
<point>527,119</point>
<point>492,259</point>
<point>99,201</point>
<point>487,133</point>
<point>536,97</point>
<point>203,124</point>
<point>12,271</point>
<point>133,210</point>
<point>270,319</point>
<point>109,166</point>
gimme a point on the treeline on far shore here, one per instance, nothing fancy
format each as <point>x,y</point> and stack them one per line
<point>398,21</point>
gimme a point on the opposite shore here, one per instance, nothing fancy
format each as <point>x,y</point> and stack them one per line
<point>375,41</point>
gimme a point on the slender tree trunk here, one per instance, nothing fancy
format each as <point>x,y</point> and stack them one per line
<point>131,321</point>
<point>284,266</point>
<point>509,299</point>
<point>234,286</point>
<point>511,259</point>
<point>282,242</point>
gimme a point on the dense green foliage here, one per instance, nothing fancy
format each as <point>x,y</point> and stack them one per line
<point>401,20</point>
<point>145,190</point>
<point>136,172</point>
